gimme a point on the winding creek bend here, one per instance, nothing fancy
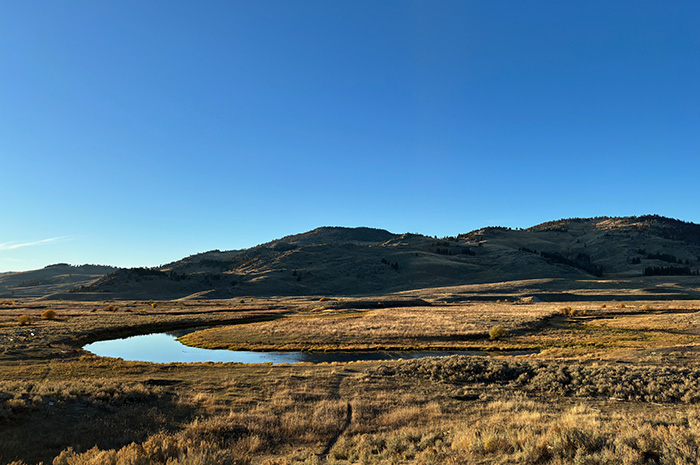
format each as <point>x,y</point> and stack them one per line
<point>165,348</point>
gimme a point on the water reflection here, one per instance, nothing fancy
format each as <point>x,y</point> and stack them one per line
<point>165,348</point>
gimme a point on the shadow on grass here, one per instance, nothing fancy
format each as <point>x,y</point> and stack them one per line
<point>39,434</point>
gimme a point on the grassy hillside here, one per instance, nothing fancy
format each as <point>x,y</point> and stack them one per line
<point>364,261</point>
<point>52,279</point>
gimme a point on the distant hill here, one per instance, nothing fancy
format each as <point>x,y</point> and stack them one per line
<point>365,261</point>
<point>58,278</point>
<point>334,235</point>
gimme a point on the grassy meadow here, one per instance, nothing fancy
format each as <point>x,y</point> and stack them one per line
<point>603,382</point>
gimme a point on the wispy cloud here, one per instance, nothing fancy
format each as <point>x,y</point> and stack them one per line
<point>17,245</point>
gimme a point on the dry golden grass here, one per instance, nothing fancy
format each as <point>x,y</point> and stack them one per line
<point>396,328</point>
<point>580,434</point>
<point>512,430</point>
<point>668,322</point>
<point>59,405</point>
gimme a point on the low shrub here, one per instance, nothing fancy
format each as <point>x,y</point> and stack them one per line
<point>49,315</point>
<point>667,385</point>
<point>24,320</point>
<point>497,332</point>
<point>568,311</point>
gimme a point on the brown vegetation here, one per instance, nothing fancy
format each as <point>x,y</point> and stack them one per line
<point>610,385</point>
<point>555,379</point>
<point>49,315</point>
<point>497,332</point>
<point>455,327</point>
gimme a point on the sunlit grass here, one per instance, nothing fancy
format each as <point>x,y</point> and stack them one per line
<point>611,385</point>
<point>454,326</point>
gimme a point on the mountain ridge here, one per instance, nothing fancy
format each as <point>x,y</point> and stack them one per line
<point>366,261</point>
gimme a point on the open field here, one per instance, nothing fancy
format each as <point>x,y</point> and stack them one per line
<point>612,383</point>
<point>574,328</point>
<point>402,328</point>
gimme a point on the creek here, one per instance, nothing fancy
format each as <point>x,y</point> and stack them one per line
<point>165,348</point>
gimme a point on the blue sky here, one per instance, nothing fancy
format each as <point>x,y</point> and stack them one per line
<point>135,133</point>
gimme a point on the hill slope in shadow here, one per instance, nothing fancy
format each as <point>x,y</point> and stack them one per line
<point>365,261</point>
<point>58,278</point>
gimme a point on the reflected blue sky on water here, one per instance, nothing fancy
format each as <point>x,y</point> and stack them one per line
<point>165,348</point>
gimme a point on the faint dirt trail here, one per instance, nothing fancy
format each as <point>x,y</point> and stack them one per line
<point>348,418</point>
<point>323,457</point>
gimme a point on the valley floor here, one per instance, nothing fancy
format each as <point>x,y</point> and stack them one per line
<point>610,382</point>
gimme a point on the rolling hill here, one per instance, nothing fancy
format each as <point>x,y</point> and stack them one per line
<point>633,252</point>
<point>58,278</point>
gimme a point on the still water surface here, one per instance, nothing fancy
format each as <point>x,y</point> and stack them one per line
<point>165,348</point>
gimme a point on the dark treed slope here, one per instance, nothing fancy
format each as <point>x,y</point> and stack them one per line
<point>660,226</point>
<point>356,261</point>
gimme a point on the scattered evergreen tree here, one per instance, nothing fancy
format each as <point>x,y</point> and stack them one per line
<point>669,271</point>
